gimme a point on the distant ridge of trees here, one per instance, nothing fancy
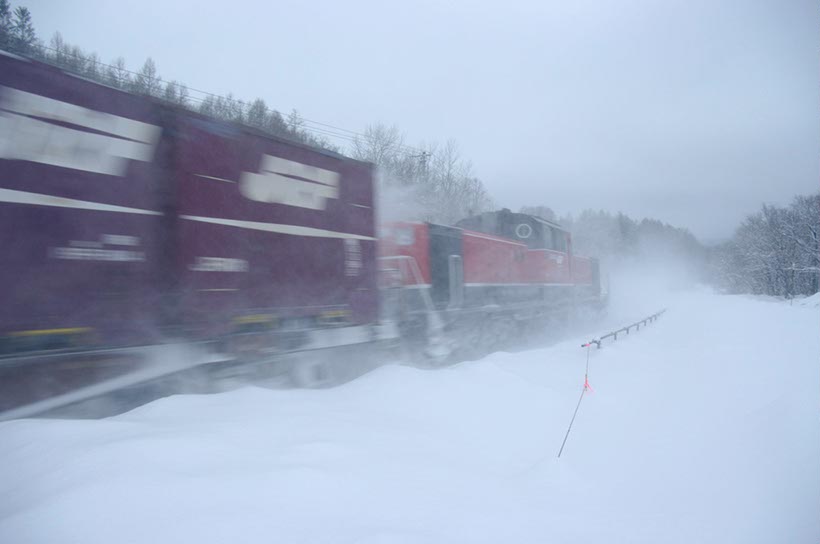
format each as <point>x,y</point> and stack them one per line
<point>616,238</point>
<point>17,35</point>
<point>775,251</point>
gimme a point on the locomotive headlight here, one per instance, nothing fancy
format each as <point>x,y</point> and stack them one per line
<point>523,231</point>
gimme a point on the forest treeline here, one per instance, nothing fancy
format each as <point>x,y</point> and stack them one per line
<point>775,251</point>
<point>17,35</point>
<point>617,239</point>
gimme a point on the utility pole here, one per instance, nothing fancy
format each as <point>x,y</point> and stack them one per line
<point>422,157</point>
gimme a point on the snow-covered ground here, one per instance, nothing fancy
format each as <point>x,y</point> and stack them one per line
<point>703,427</point>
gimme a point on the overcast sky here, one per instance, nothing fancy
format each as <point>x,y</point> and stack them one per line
<point>692,112</point>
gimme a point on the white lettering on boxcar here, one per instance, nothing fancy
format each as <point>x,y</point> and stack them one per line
<point>219,264</point>
<point>95,250</point>
<point>94,254</point>
<point>33,128</point>
<point>277,183</point>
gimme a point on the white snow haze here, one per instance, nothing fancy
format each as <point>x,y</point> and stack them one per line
<point>220,335</point>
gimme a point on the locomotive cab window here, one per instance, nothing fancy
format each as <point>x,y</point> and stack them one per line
<point>559,240</point>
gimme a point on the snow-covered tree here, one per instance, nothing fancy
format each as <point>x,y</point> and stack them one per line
<point>774,251</point>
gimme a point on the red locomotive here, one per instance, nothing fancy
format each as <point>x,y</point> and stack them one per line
<point>496,257</point>
<point>489,273</point>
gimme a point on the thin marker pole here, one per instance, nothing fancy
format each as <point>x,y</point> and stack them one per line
<point>584,390</point>
<point>575,413</point>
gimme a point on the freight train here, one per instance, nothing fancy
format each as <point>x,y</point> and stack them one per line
<point>128,222</point>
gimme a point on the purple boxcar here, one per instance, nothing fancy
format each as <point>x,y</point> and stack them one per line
<point>123,220</point>
<point>271,231</point>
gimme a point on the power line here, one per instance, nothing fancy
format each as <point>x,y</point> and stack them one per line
<point>323,129</point>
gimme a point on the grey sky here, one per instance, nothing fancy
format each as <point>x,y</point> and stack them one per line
<point>692,112</point>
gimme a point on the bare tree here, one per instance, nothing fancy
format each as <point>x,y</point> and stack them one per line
<point>379,144</point>
<point>437,179</point>
<point>93,68</point>
<point>117,75</point>
<point>257,113</point>
<point>147,81</point>
<point>6,25</point>
<point>23,35</point>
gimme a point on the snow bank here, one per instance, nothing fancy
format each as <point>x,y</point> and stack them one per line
<point>703,428</point>
<point>812,301</point>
